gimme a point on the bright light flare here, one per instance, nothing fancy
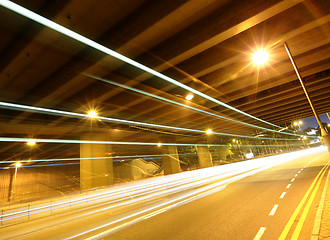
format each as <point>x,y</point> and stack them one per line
<point>209,131</point>
<point>159,145</point>
<point>92,114</point>
<point>18,164</point>
<point>46,22</point>
<point>31,143</point>
<point>189,97</point>
<point>260,57</point>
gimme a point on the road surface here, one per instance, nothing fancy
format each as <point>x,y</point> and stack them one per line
<point>275,200</point>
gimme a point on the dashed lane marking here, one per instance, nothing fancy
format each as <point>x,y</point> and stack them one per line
<point>282,195</point>
<point>289,185</point>
<point>260,233</point>
<point>272,212</point>
<point>293,179</point>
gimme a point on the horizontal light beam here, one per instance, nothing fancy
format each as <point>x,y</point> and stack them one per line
<point>46,22</point>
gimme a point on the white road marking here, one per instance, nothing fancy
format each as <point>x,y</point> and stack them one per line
<point>296,175</point>
<point>260,233</point>
<point>289,185</point>
<point>272,212</point>
<point>282,195</point>
<point>292,179</point>
<point>299,171</point>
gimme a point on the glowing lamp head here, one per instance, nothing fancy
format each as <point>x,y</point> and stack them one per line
<point>300,122</point>
<point>260,57</point>
<point>209,131</point>
<point>18,164</point>
<point>159,145</point>
<point>92,114</point>
<point>189,97</point>
<point>31,143</point>
<point>295,123</point>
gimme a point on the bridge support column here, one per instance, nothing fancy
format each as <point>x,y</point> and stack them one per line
<point>204,156</point>
<point>95,172</point>
<point>171,162</point>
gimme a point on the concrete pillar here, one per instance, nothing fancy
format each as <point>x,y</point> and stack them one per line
<point>171,162</point>
<point>204,156</point>
<point>95,172</point>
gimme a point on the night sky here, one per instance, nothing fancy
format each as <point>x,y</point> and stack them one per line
<point>311,121</point>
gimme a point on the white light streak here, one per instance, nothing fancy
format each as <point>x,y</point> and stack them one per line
<point>46,22</point>
<point>184,105</point>
<point>199,183</point>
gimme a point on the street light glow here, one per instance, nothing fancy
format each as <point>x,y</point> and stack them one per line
<point>46,22</point>
<point>260,57</point>
<point>92,114</point>
<point>189,97</point>
<point>31,143</point>
<point>18,164</point>
<point>209,131</point>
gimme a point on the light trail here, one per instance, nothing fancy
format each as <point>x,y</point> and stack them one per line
<point>48,23</point>
<point>184,105</point>
<point>39,165</point>
<point>70,141</point>
<point>174,202</point>
<point>56,112</point>
<point>142,192</point>
<point>133,157</point>
<point>15,106</point>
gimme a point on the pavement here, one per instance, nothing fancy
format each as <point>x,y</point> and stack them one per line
<point>324,233</point>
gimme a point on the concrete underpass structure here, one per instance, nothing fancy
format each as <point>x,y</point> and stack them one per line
<point>204,156</point>
<point>95,172</point>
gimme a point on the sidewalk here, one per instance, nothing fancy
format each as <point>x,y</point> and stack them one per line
<point>324,233</point>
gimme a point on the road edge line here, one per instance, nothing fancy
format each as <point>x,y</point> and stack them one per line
<point>300,205</point>
<point>317,222</point>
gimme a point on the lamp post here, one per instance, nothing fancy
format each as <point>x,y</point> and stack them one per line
<point>324,133</point>
<point>13,182</point>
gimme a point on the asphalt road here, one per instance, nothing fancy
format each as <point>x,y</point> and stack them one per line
<point>263,205</point>
<point>241,209</point>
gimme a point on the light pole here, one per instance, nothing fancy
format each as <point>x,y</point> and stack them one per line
<point>13,182</point>
<point>324,133</point>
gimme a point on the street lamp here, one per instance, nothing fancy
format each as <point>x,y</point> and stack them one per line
<point>189,96</point>
<point>209,131</point>
<point>260,57</point>
<point>13,181</point>
<point>31,142</point>
<point>324,133</point>
<point>92,114</point>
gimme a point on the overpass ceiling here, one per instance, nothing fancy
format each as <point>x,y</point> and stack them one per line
<point>206,45</point>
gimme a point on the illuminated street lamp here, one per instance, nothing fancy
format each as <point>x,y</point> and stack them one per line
<point>159,145</point>
<point>209,131</point>
<point>92,114</point>
<point>13,181</point>
<point>260,57</point>
<point>324,133</point>
<point>189,96</point>
<point>31,143</point>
